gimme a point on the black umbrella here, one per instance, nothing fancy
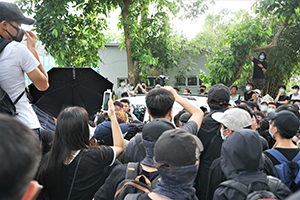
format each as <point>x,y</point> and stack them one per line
<point>71,87</point>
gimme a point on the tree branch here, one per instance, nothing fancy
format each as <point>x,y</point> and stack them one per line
<point>276,37</point>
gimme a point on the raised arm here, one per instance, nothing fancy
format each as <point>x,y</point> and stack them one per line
<point>116,131</point>
<point>38,76</point>
<point>197,114</point>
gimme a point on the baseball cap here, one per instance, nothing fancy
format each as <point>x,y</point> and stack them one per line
<point>295,86</point>
<point>234,118</point>
<point>264,101</point>
<point>286,121</point>
<point>11,12</point>
<point>219,94</point>
<point>177,148</point>
<point>257,91</point>
<point>153,130</point>
<point>103,132</point>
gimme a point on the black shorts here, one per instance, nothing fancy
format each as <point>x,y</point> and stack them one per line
<point>259,83</point>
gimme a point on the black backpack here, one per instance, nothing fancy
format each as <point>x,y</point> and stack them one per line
<point>272,183</point>
<point>6,104</point>
<point>134,183</point>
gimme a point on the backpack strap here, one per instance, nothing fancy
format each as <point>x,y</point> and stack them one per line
<point>273,184</point>
<point>132,170</point>
<point>139,142</point>
<point>236,185</point>
<point>19,97</point>
<point>276,154</point>
<point>3,43</point>
<point>132,196</point>
<point>73,180</point>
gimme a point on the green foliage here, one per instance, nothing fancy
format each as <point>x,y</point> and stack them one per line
<point>72,38</point>
<point>284,60</point>
<point>154,47</point>
<point>241,38</point>
<point>244,35</point>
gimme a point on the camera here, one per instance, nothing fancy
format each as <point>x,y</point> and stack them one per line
<point>163,78</point>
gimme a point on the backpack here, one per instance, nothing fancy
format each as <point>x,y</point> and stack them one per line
<point>6,104</point>
<point>272,183</point>
<point>288,171</point>
<point>134,183</point>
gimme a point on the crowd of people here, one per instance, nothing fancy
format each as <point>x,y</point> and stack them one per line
<point>244,147</point>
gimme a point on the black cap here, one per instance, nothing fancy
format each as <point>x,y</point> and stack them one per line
<point>286,121</point>
<point>131,84</point>
<point>11,12</point>
<point>155,128</point>
<point>177,148</point>
<point>295,86</point>
<point>219,94</point>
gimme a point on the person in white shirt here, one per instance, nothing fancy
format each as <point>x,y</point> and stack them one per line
<point>16,59</point>
<point>296,93</point>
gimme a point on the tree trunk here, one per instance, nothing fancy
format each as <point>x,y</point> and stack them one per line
<point>130,61</point>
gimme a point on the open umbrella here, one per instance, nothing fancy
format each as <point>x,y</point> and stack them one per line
<point>71,87</point>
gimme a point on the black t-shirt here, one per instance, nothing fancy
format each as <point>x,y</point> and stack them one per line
<point>281,98</point>
<point>247,96</point>
<point>288,153</point>
<point>91,174</point>
<point>209,134</point>
<point>258,73</point>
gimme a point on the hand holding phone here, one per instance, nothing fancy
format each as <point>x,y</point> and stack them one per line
<point>106,98</point>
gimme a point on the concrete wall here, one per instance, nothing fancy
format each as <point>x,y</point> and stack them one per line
<point>114,67</point>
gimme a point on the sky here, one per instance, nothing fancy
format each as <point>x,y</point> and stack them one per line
<point>188,27</point>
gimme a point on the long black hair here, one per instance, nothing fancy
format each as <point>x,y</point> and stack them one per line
<point>71,134</point>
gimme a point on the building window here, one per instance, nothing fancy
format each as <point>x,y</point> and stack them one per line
<point>180,81</point>
<point>192,81</point>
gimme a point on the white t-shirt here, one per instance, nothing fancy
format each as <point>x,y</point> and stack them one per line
<point>16,59</point>
<point>121,90</point>
<point>295,97</point>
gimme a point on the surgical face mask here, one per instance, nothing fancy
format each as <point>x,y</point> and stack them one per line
<point>247,88</point>
<point>122,84</point>
<point>281,90</point>
<point>294,91</point>
<point>264,108</point>
<point>19,36</point>
<point>130,88</point>
<point>201,90</point>
<point>271,110</point>
<point>184,93</point>
<point>261,57</point>
<point>222,134</point>
<point>270,132</point>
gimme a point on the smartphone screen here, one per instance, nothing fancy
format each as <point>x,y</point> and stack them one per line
<point>105,101</point>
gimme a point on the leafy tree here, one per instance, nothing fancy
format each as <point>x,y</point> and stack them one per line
<point>148,39</point>
<point>72,38</point>
<point>248,36</point>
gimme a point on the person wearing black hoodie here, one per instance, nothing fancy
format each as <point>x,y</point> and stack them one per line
<point>242,160</point>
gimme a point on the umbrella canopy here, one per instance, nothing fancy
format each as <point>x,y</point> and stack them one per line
<point>71,87</point>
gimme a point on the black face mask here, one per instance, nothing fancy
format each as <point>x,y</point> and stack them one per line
<point>144,87</point>
<point>201,90</point>
<point>19,36</point>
